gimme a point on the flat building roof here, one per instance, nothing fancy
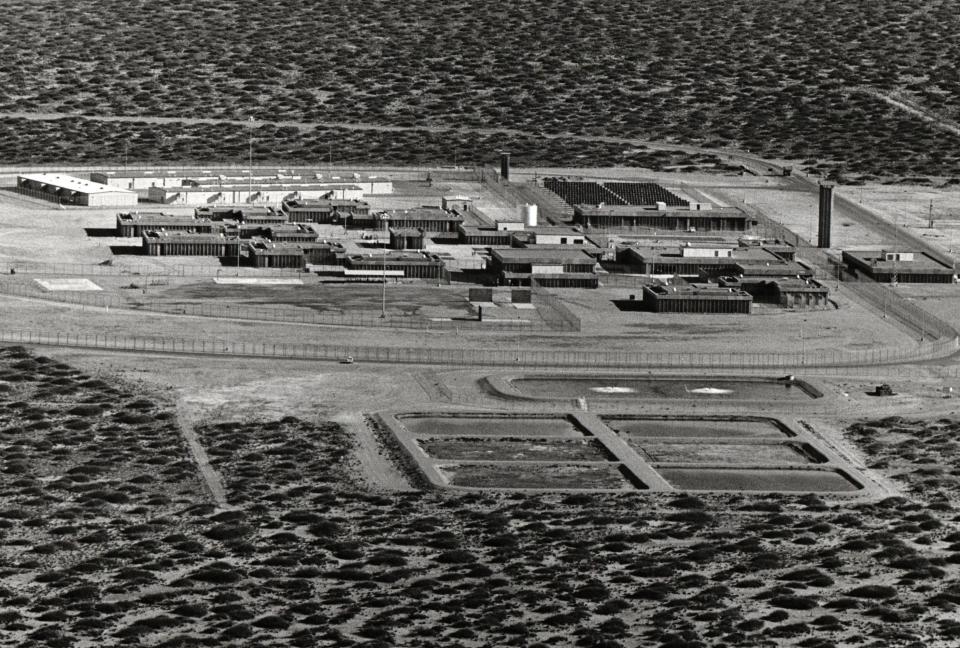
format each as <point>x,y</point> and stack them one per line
<point>534,255</point>
<point>72,183</point>
<point>255,187</point>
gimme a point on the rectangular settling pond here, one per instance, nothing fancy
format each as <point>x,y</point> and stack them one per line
<point>500,426</point>
<point>700,428</point>
<point>725,453</point>
<point>804,481</point>
<point>500,449</point>
<point>692,388</point>
<point>533,476</point>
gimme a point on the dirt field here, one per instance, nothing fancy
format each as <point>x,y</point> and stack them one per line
<point>798,212</point>
<point>851,326</point>
<point>911,206</point>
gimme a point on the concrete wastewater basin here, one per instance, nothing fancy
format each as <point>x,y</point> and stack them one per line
<point>582,451</point>
<point>694,388</point>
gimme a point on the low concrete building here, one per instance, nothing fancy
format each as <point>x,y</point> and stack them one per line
<point>662,218</point>
<point>134,224</point>
<point>713,260</point>
<point>419,265</point>
<point>696,298</point>
<point>271,254</point>
<point>273,194</point>
<point>407,238</point>
<point>249,214</point>
<point>325,211</point>
<point>899,266</point>
<point>267,254</point>
<point>69,190</point>
<point>486,236</point>
<point>429,219</point>
<point>142,179</point>
<point>291,233</point>
<point>555,268</point>
<point>556,236</point>
<point>786,292</point>
<point>189,244</point>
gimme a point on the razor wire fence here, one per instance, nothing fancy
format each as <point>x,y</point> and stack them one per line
<point>142,270</point>
<point>521,358</point>
<point>557,315</point>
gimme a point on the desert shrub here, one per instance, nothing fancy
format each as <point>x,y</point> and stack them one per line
<point>693,517</point>
<point>687,502</point>
<point>216,575</point>
<point>237,631</point>
<point>456,556</point>
<point>787,630</point>
<point>793,602</point>
<point>131,418</point>
<point>872,592</point>
<point>325,529</point>
<point>843,604</point>
<point>612,606</point>
<point>228,531</point>
<point>889,615</point>
<point>387,558</point>
<point>106,495</point>
<point>193,610</point>
<point>82,593</point>
<point>271,622</point>
<point>89,409</point>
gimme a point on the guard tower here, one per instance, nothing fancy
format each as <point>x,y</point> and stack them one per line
<point>826,212</point>
<point>505,166</point>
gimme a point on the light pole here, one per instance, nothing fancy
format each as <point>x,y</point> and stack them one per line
<point>803,347</point>
<point>249,175</point>
<point>383,285</point>
<point>383,267</point>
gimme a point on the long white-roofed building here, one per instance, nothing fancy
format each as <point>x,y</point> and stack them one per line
<point>70,190</point>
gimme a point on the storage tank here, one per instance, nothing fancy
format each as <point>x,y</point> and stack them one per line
<point>528,213</point>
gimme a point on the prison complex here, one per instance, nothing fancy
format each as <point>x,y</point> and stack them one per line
<point>705,258</point>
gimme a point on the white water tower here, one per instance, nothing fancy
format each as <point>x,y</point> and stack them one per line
<point>528,214</point>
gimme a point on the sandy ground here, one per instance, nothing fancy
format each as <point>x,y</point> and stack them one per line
<point>845,329</point>
<point>797,211</point>
<point>851,326</point>
<point>911,206</point>
<point>666,178</point>
<point>490,204</point>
